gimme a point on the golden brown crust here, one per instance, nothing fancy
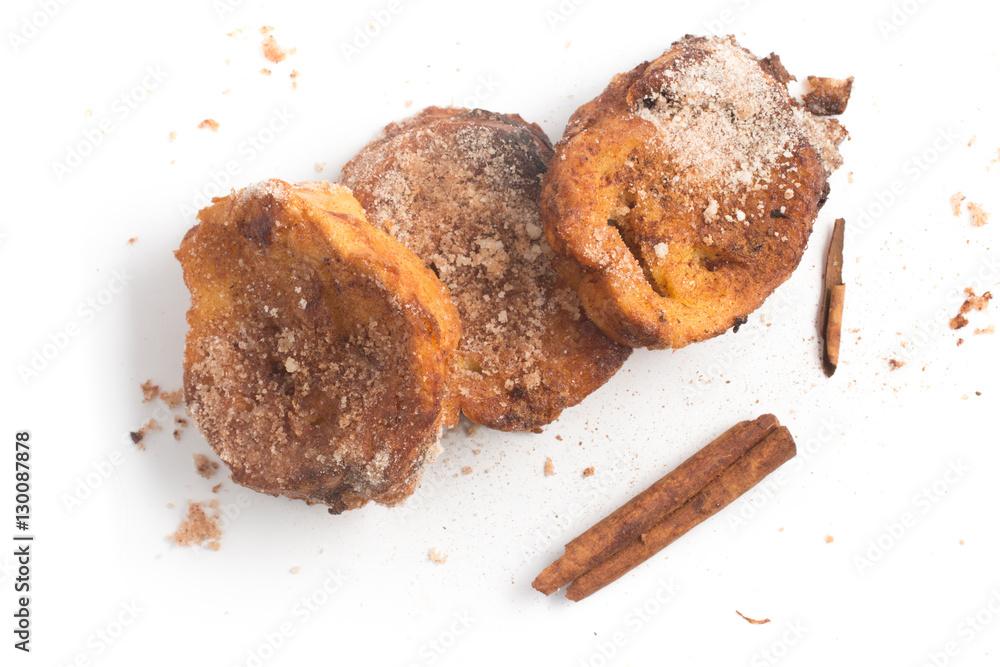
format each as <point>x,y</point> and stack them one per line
<point>460,189</point>
<point>319,349</point>
<point>684,194</point>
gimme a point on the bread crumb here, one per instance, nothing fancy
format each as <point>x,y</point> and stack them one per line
<point>295,570</point>
<point>829,539</point>
<point>467,470</point>
<point>272,51</point>
<point>320,166</point>
<point>172,398</point>
<point>172,135</point>
<point>471,429</point>
<point>215,489</point>
<point>436,556</point>
<point>265,29</point>
<point>265,71</point>
<point>962,542</point>
<point>137,436</point>
<point>987,330</point>
<point>149,391</point>
<point>850,177</point>
<point>550,469</point>
<point>295,78</point>
<point>209,124</point>
<point>959,342</point>
<point>205,466</point>
<point>132,240</point>
<point>896,364</point>
<point>956,203</point>
<point>408,103</point>
<point>972,302</point>
<point>588,472</point>
<point>979,215</point>
<point>198,527</point>
<point>177,434</point>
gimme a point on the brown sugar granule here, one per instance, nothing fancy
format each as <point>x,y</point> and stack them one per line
<point>209,124</point>
<point>550,469</point>
<point>215,489</point>
<point>973,302</point>
<point>829,539</point>
<point>753,620</point>
<point>827,97</point>
<point>149,391</point>
<point>205,466</point>
<point>588,472</point>
<point>272,51</point>
<point>979,215</point>
<point>956,203</point>
<point>896,364</point>
<point>467,470</point>
<point>986,330</point>
<point>436,556</point>
<point>198,527</point>
<point>172,398</point>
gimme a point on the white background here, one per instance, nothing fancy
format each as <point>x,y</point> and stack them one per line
<point>888,434</point>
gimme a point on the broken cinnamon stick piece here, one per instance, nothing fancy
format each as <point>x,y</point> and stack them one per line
<point>637,516</point>
<point>833,299</point>
<point>775,449</point>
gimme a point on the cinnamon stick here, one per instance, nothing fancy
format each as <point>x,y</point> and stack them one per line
<point>763,459</point>
<point>651,506</point>
<point>833,299</point>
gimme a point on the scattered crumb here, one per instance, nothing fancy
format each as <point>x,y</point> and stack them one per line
<point>962,542</point>
<point>294,570</point>
<point>559,438</point>
<point>753,620</point>
<point>972,140</point>
<point>987,330</point>
<point>209,124</point>
<point>88,113</point>
<point>215,489</point>
<point>320,166</point>
<point>177,434</point>
<point>226,91</point>
<point>476,451</point>
<point>956,203</point>
<point>894,365</point>
<point>471,429</point>
<point>467,470</point>
<point>172,398</point>
<point>173,135</point>
<point>588,472</point>
<point>132,241</point>
<point>829,539</point>
<point>234,33</point>
<point>149,391</point>
<point>550,469</point>
<point>272,51</point>
<point>295,78</point>
<point>205,466</point>
<point>408,103</point>
<point>181,421</point>
<point>436,556</point>
<point>137,436</point>
<point>972,302</point>
<point>197,527</point>
<point>265,29</point>
<point>850,177</point>
<point>960,342</point>
<point>979,215</point>
<point>781,529</point>
<point>265,71</point>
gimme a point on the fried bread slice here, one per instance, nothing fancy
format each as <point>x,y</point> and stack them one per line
<point>319,349</point>
<point>685,193</point>
<point>460,189</point>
